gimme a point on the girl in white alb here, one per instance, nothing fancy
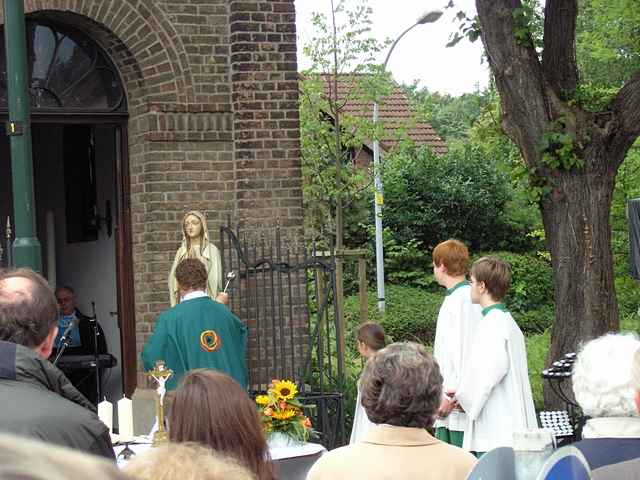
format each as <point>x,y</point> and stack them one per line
<point>370,337</point>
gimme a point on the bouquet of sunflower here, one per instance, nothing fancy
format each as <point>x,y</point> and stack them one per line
<point>280,411</point>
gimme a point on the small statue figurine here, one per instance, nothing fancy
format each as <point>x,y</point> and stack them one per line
<point>196,244</point>
<point>160,374</point>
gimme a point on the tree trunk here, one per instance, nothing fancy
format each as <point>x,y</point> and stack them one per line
<point>576,221</point>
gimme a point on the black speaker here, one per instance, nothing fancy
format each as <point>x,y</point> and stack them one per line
<point>634,238</point>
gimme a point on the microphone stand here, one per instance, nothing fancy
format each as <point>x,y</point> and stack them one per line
<point>64,343</point>
<point>96,359</point>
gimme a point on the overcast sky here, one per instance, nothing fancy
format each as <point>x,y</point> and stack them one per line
<point>421,55</point>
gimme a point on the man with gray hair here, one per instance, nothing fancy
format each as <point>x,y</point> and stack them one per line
<point>604,388</point>
<point>37,399</point>
<point>401,392</point>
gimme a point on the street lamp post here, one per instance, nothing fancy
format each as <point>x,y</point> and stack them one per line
<point>428,17</point>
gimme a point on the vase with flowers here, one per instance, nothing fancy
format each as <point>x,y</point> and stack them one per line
<point>282,415</point>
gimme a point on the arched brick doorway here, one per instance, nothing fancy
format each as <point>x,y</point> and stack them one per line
<point>81,177</point>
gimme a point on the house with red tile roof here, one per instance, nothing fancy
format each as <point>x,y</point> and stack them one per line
<point>395,114</point>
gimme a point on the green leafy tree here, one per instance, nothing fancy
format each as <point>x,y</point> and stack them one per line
<point>456,195</point>
<point>343,55</point>
<point>572,140</point>
<point>452,117</point>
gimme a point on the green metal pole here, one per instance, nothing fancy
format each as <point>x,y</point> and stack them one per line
<point>26,247</point>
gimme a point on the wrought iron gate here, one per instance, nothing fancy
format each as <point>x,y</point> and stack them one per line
<point>285,293</point>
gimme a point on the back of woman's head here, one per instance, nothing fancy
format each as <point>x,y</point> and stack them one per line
<point>372,335</point>
<point>186,461</point>
<point>211,408</point>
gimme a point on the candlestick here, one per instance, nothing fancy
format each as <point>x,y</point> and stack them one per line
<point>125,420</point>
<point>105,413</point>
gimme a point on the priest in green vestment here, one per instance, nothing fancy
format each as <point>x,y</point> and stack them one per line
<point>198,332</point>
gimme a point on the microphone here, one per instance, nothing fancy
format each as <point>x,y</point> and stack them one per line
<point>75,321</point>
<point>64,340</point>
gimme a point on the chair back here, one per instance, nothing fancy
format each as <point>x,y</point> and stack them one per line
<point>496,464</point>
<point>567,463</point>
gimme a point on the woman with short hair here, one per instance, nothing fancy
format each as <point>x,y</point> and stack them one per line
<point>603,384</point>
<point>401,393</point>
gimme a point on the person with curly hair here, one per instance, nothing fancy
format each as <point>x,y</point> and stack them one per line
<point>401,393</point>
<point>198,332</point>
<point>604,383</point>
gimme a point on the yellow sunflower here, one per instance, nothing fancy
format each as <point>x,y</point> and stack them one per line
<point>262,400</point>
<point>284,414</point>
<point>285,389</point>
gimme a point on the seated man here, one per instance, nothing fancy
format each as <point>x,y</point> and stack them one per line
<point>81,341</point>
<point>198,332</point>
<point>81,338</point>
<point>37,399</point>
<point>603,387</point>
<point>401,391</point>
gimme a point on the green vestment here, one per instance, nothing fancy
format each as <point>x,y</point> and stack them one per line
<point>198,333</point>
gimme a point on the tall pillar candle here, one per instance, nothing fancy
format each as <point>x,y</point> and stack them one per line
<point>125,420</point>
<point>105,413</point>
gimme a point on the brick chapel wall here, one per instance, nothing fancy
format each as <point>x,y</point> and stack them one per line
<point>212,99</point>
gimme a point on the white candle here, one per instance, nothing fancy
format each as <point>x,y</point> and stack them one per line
<point>105,413</point>
<point>125,420</point>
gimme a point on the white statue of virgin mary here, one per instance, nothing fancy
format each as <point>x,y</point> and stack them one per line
<point>196,244</point>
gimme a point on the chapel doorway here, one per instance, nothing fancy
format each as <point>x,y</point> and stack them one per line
<point>81,183</point>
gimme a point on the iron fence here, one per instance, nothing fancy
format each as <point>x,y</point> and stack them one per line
<point>286,295</point>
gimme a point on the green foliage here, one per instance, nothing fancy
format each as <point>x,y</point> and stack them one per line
<point>410,314</point>
<point>531,281</point>
<point>529,23</point>
<point>607,46</point>
<point>535,321</point>
<point>537,350</point>
<point>630,323</point>
<point>451,117</point>
<point>320,155</point>
<point>469,27</point>
<point>628,293</point>
<point>457,195</point>
<point>342,44</point>
<point>406,263</point>
<point>475,118</point>
<point>627,187</point>
<point>558,147</point>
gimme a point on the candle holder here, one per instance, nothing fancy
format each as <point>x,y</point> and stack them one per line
<point>160,374</point>
<point>127,453</point>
